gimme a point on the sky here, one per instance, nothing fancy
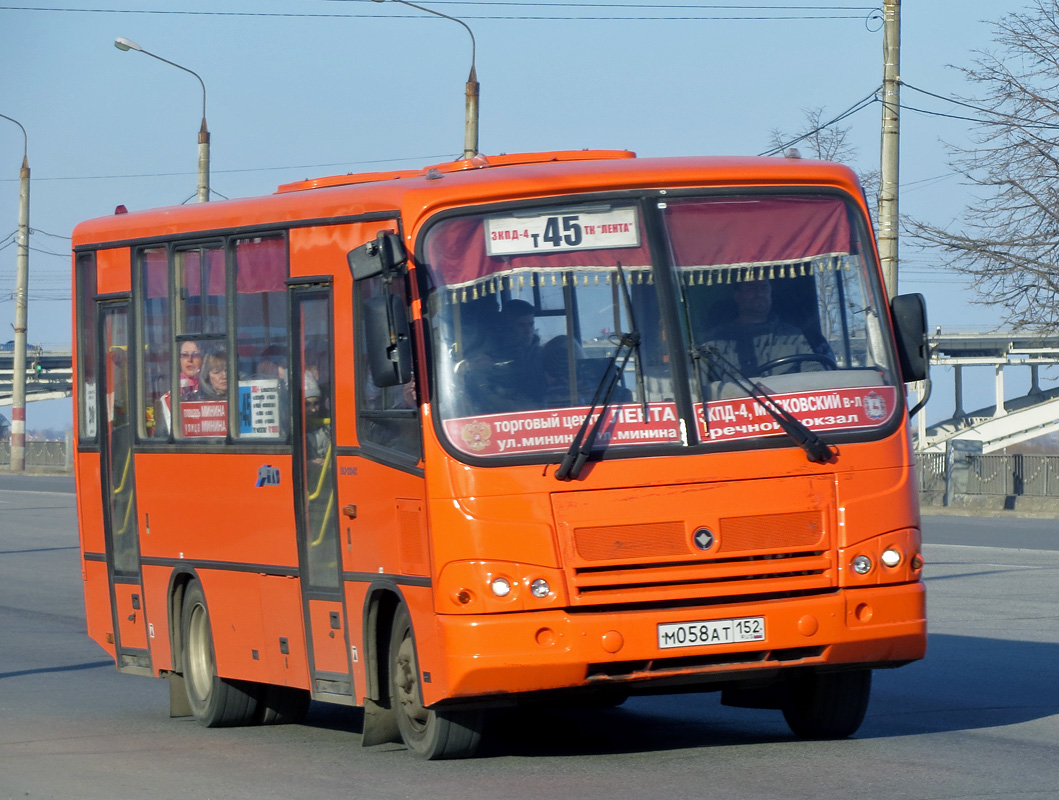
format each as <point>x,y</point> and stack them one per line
<point>307,88</point>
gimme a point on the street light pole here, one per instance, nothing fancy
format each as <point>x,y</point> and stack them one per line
<point>470,124</point>
<point>204,133</point>
<point>890,148</point>
<point>18,377</point>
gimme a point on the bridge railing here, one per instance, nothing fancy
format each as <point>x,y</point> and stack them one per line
<point>946,479</point>
<point>52,455</point>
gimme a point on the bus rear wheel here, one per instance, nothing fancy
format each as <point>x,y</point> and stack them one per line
<point>215,702</point>
<point>429,733</point>
<point>827,705</point>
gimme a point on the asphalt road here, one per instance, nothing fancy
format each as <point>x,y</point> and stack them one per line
<point>978,718</point>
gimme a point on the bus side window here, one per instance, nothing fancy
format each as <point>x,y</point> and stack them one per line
<point>200,320</point>
<point>261,358</point>
<point>87,356</point>
<point>156,418</point>
<point>388,416</point>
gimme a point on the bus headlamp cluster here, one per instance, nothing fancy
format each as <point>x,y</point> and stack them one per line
<point>891,557</point>
<point>494,586</point>
<point>539,588</point>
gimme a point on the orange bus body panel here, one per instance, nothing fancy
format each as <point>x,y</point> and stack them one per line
<point>114,271</point>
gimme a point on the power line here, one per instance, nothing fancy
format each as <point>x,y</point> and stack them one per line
<point>858,106</point>
<point>53,235</point>
<point>516,18</point>
<point>1026,123</point>
<point>418,159</point>
<point>698,6</point>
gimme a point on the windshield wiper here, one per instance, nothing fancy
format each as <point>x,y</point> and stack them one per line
<point>583,441</point>
<point>816,449</point>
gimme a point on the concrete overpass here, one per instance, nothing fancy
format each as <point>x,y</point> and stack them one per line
<point>48,375</point>
<point>1006,422</point>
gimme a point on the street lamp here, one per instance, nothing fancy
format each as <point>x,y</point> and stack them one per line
<point>18,376</point>
<point>470,132</point>
<point>204,134</point>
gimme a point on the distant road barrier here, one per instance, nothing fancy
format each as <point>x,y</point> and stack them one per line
<point>50,455</point>
<point>955,478</point>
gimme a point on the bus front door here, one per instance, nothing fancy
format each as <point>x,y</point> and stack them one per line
<point>318,531</point>
<point>116,408</point>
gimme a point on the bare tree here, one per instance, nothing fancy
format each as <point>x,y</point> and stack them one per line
<point>827,143</point>
<point>1007,238</point>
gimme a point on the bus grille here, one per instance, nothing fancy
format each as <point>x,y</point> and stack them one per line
<point>761,555</point>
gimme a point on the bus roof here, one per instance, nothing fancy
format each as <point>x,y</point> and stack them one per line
<point>481,179</point>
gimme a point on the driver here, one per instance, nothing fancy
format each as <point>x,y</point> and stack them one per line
<point>757,337</point>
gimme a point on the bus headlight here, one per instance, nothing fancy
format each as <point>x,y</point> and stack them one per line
<point>862,565</point>
<point>540,588</point>
<point>501,587</point>
<point>891,557</point>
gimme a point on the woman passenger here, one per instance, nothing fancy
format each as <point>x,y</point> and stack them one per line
<point>213,380</point>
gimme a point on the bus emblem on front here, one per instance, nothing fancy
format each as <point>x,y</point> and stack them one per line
<point>703,538</point>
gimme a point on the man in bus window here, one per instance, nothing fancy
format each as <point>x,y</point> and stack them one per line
<point>505,374</point>
<point>756,336</point>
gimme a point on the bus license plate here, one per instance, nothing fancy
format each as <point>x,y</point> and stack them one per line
<point>711,631</point>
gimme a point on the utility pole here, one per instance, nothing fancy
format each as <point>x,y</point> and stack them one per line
<point>470,123</point>
<point>18,376</point>
<point>203,191</point>
<point>891,139</point>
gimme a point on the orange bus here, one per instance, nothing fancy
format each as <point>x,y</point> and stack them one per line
<point>569,426</point>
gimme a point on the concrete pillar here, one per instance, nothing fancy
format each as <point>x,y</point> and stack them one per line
<point>1000,410</point>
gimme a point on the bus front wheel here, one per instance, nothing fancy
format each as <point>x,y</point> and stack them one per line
<point>827,705</point>
<point>429,733</point>
<point>215,702</point>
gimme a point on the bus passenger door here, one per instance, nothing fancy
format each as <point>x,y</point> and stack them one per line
<point>318,546</point>
<point>117,410</point>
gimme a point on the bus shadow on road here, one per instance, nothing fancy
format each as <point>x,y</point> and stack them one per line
<point>965,683</point>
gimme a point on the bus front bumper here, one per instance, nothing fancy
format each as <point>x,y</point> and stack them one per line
<point>502,654</point>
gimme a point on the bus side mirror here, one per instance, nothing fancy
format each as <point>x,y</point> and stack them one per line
<point>389,341</point>
<point>909,313</point>
<point>381,256</point>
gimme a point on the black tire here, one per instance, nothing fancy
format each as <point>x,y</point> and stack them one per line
<point>215,702</point>
<point>282,705</point>
<point>429,733</point>
<point>829,705</point>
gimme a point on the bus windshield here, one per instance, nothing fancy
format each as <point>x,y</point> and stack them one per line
<point>534,311</point>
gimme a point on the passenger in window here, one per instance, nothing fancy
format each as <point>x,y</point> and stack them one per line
<point>190,367</point>
<point>317,432</point>
<point>273,363</point>
<point>504,374</point>
<point>213,379</point>
<point>756,338</point>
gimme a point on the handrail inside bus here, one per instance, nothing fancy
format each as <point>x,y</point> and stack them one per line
<point>320,483</point>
